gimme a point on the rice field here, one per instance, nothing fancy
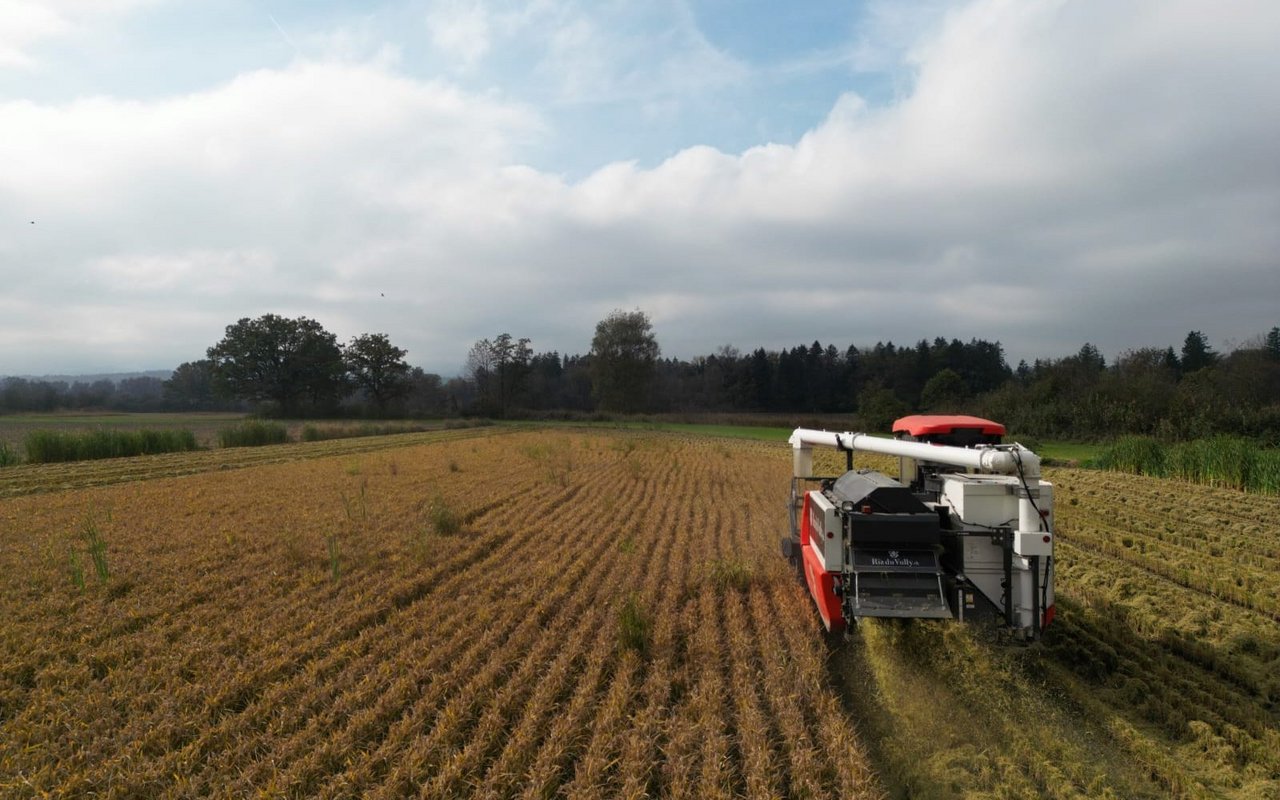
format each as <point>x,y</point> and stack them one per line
<point>582,613</point>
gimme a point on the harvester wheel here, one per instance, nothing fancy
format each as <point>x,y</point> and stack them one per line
<point>791,552</point>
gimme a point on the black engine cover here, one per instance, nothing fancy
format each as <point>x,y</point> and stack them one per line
<point>882,493</point>
<point>878,510</point>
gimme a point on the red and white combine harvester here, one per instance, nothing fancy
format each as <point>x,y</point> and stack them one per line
<point>966,532</point>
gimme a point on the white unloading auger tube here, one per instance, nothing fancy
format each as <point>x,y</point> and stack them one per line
<point>1001,459</point>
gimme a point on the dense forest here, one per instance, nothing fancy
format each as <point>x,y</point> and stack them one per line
<point>1173,393</point>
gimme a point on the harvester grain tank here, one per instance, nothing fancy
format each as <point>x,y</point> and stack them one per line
<point>965,531</point>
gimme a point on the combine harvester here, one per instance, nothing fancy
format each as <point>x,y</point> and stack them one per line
<point>966,532</point>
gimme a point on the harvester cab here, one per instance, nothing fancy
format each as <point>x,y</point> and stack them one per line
<point>965,532</point>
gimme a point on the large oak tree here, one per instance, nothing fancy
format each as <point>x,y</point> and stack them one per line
<point>290,362</point>
<point>378,367</point>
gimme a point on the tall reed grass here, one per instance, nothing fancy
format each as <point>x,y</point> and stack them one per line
<point>1225,461</point>
<point>46,446</point>
<point>253,433</point>
<point>1140,455</point>
<point>319,433</point>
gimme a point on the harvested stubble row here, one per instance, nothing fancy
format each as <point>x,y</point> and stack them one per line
<point>1156,680</point>
<point>39,478</point>
<point>223,657</point>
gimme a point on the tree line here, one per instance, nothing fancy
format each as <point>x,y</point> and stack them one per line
<point>1176,395</point>
<point>294,367</point>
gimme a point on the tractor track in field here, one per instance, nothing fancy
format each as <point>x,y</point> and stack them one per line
<point>850,675</point>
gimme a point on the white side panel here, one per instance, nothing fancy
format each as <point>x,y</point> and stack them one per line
<point>1030,540</point>
<point>982,500</point>
<point>824,522</point>
<point>979,502</point>
<point>802,462</point>
<point>1032,543</point>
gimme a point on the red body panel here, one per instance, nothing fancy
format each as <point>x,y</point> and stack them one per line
<point>932,424</point>
<point>820,582</point>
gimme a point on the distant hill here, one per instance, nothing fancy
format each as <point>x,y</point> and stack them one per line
<point>114,377</point>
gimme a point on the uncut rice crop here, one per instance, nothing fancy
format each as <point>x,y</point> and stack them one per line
<point>1141,455</point>
<point>1225,461</point>
<point>253,433</point>
<point>312,432</point>
<point>50,446</point>
<point>1220,461</point>
<point>1267,472</point>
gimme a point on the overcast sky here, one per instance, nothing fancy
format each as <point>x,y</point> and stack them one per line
<point>1038,172</point>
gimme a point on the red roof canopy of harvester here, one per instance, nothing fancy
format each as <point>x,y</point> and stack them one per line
<point>928,424</point>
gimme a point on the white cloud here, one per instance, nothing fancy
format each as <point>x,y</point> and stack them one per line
<point>25,24</point>
<point>260,194</point>
<point>461,29</point>
<point>631,52</point>
<point>1061,172</point>
<point>586,52</point>
<point>890,33</point>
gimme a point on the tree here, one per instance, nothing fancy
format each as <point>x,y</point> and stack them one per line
<point>499,369</point>
<point>623,354</point>
<point>511,359</point>
<point>285,361</point>
<point>878,407</point>
<point>761,376</point>
<point>1090,359</point>
<point>426,396</point>
<point>1272,344</point>
<point>191,386</point>
<point>1196,353</point>
<point>378,367</point>
<point>20,394</point>
<point>141,393</point>
<point>480,367</point>
<point>100,393</point>
<point>943,391</point>
<point>545,381</point>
